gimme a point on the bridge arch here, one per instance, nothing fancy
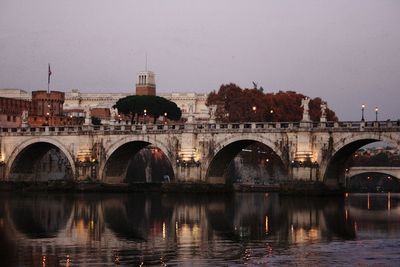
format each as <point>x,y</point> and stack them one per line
<point>344,148</point>
<point>230,147</point>
<point>24,147</point>
<point>389,171</point>
<point>118,156</point>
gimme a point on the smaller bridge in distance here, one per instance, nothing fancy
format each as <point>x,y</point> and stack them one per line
<point>392,171</point>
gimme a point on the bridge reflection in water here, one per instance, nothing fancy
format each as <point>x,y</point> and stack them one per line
<point>181,229</point>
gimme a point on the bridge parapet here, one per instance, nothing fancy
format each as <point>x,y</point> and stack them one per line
<point>205,127</point>
<point>390,170</point>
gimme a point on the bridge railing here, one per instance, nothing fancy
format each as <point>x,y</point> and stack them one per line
<point>202,126</point>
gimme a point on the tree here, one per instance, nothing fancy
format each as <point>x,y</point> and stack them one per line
<point>96,121</point>
<point>154,106</point>
<point>235,104</point>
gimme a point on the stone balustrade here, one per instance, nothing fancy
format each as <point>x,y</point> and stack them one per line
<point>203,127</point>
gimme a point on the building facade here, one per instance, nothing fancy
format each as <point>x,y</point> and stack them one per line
<point>65,107</point>
<point>11,110</point>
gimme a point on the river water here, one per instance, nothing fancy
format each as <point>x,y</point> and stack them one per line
<point>198,230</point>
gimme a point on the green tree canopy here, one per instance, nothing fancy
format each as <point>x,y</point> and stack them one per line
<point>155,106</point>
<point>235,104</point>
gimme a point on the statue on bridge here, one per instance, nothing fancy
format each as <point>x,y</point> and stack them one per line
<point>212,110</point>
<point>323,112</point>
<point>24,118</point>
<point>88,119</point>
<point>113,114</point>
<point>304,105</point>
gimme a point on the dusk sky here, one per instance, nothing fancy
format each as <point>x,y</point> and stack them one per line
<point>344,51</point>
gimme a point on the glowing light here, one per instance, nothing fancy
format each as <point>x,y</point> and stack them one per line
<point>388,201</point>
<point>266,224</point>
<point>68,261</point>
<point>163,230</point>
<point>313,234</point>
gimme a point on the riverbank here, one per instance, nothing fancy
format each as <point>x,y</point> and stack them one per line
<point>287,188</point>
<point>88,187</point>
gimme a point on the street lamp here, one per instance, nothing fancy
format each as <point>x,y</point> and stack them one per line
<point>144,114</point>
<point>362,112</point>
<point>272,114</point>
<point>254,108</point>
<point>376,113</point>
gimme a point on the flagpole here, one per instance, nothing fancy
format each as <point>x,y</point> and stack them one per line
<point>48,80</point>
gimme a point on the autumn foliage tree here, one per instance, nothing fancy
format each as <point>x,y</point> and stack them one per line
<point>235,104</point>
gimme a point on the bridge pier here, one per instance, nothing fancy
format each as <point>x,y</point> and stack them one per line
<point>188,171</point>
<point>86,171</point>
<point>300,171</point>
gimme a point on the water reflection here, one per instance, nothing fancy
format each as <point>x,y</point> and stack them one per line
<point>183,229</point>
<point>39,216</point>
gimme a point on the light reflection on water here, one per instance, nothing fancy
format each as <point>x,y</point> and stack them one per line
<point>193,230</point>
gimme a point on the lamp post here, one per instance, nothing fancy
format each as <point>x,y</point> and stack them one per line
<point>376,113</point>
<point>362,112</point>
<point>254,108</point>
<point>144,114</point>
<point>272,114</point>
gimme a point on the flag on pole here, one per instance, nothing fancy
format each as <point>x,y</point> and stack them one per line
<point>48,80</point>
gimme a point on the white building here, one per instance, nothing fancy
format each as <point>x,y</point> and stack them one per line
<point>191,104</point>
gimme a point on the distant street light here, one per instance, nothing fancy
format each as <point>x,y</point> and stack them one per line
<point>376,113</point>
<point>362,112</point>
<point>254,108</point>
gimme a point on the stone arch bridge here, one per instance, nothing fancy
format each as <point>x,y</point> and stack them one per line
<point>392,171</point>
<point>198,152</point>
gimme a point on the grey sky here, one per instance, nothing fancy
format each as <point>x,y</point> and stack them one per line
<point>345,51</point>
